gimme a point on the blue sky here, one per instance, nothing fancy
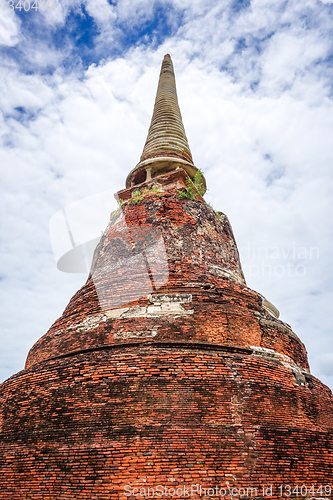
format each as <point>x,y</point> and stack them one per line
<point>254,80</point>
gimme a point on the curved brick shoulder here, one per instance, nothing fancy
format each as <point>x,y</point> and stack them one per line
<point>140,414</point>
<point>167,269</point>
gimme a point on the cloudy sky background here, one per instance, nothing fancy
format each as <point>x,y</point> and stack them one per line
<point>254,80</point>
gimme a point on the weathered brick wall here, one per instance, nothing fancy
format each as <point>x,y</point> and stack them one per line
<point>202,263</point>
<point>85,426</point>
<point>182,378</point>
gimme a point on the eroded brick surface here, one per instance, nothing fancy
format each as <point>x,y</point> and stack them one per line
<point>140,415</point>
<point>145,415</point>
<point>191,382</point>
<point>201,260</point>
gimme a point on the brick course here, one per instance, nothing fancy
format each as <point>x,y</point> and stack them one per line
<point>142,415</point>
<point>192,383</point>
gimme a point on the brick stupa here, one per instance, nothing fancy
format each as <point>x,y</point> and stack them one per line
<point>165,369</point>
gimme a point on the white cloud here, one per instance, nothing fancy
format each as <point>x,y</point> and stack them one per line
<point>325,365</point>
<point>20,90</point>
<point>9,28</point>
<point>57,16</point>
<point>101,10</point>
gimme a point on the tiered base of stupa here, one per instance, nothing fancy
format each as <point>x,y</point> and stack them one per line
<point>174,375</point>
<point>99,424</point>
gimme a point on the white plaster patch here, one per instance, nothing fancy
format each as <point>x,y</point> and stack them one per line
<point>135,335</point>
<point>285,360</point>
<point>161,305</point>
<point>170,297</point>
<point>225,274</point>
<point>168,309</point>
<point>126,312</point>
<point>169,305</point>
<point>269,307</point>
<point>89,323</point>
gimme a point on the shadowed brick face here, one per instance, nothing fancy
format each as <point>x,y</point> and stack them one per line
<point>164,369</point>
<point>87,425</point>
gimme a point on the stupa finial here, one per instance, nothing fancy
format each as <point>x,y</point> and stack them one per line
<point>166,146</point>
<point>166,135</point>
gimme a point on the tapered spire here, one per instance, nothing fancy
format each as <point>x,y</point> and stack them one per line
<point>166,135</point>
<point>166,146</point>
